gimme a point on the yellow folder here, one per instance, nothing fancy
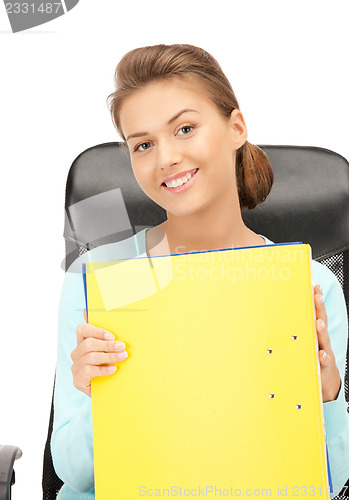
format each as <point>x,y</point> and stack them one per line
<point>221,391</point>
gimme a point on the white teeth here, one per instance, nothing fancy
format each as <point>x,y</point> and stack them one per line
<point>180,181</point>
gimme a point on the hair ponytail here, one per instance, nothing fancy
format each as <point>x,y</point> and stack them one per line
<point>254,175</point>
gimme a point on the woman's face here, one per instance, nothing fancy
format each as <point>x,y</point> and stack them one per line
<point>172,129</point>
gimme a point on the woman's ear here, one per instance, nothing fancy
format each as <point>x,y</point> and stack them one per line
<point>238,128</point>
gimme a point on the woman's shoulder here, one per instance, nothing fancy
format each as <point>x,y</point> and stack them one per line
<point>321,274</point>
<point>328,280</point>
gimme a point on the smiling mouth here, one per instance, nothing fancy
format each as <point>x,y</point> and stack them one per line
<point>187,181</point>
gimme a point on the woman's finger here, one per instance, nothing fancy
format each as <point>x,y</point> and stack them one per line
<point>92,344</point>
<point>321,322</point>
<point>320,305</point>
<point>86,330</point>
<point>96,359</point>
<point>323,336</point>
<point>324,358</point>
<point>102,358</point>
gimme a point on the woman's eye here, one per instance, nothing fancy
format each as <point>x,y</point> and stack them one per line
<point>137,148</point>
<point>186,128</point>
<point>146,145</point>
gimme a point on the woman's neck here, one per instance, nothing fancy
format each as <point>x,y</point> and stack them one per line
<point>172,239</point>
<point>215,226</point>
<point>190,238</point>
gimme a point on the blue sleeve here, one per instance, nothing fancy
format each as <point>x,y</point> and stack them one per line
<point>335,412</point>
<point>72,437</point>
<point>71,441</point>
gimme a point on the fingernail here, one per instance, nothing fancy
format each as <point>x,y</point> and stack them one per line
<point>324,355</point>
<point>109,336</point>
<point>321,299</point>
<point>111,369</point>
<point>320,289</point>
<point>322,324</point>
<point>119,346</point>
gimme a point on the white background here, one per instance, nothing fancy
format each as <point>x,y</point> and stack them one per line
<point>288,65</point>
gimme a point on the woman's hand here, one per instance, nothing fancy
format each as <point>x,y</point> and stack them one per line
<point>330,377</point>
<point>94,352</point>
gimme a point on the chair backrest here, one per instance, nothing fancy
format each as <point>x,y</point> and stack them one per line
<point>309,202</point>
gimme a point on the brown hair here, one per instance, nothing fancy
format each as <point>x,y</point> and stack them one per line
<point>190,64</point>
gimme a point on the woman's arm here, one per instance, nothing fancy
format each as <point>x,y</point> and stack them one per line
<point>71,441</point>
<point>335,412</point>
<point>330,376</point>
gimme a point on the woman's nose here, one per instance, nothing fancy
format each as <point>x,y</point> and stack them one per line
<point>168,154</point>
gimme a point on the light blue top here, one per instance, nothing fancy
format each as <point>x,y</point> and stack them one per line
<point>71,442</point>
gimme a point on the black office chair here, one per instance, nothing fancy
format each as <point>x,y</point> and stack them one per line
<point>309,202</point>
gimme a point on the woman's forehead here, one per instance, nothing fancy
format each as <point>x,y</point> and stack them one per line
<point>165,90</point>
<point>159,101</point>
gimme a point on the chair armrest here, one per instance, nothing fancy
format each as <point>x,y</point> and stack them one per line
<point>8,454</point>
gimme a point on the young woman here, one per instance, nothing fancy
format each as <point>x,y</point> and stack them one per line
<point>187,138</point>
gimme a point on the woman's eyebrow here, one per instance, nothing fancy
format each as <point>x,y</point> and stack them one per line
<point>177,115</point>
